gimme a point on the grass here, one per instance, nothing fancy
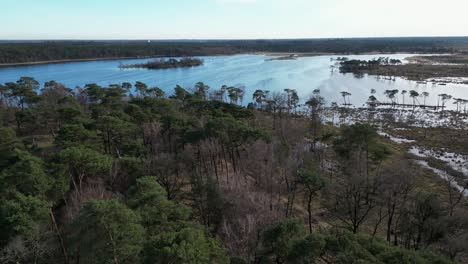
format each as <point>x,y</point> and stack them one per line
<point>451,59</point>
<point>418,72</point>
<point>453,140</point>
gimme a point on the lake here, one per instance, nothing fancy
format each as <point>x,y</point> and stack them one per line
<point>251,71</point>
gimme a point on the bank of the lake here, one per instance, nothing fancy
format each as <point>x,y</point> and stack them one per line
<point>19,64</point>
<point>249,71</point>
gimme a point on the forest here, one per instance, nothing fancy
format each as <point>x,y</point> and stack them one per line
<point>130,174</point>
<point>13,52</point>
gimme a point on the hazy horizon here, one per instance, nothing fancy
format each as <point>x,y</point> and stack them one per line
<point>232,39</point>
<point>230,19</point>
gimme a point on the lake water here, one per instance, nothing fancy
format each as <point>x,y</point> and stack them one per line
<point>251,71</point>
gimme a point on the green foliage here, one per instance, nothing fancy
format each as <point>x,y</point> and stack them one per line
<point>171,237</point>
<point>149,108</point>
<point>21,215</point>
<point>307,249</point>
<point>74,136</point>
<point>26,175</point>
<point>232,132</point>
<point>8,142</point>
<point>360,138</point>
<point>107,232</point>
<point>158,213</point>
<point>84,160</point>
<point>188,245</point>
<point>362,249</point>
<point>311,179</point>
<point>286,242</point>
<point>216,108</point>
<point>280,240</point>
<point>81,163</point>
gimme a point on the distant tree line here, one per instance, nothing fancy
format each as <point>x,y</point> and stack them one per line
<point>357,66</point>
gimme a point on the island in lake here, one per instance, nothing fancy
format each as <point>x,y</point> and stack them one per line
<point>166,64</point>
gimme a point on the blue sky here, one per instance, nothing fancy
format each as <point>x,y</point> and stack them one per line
<point>230,19</point>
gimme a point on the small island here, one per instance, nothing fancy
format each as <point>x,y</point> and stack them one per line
<point>288,57</point>
<point>166,64</point>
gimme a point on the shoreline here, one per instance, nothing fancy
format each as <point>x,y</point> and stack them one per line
<point>33,63</point>
<point>278,54</point>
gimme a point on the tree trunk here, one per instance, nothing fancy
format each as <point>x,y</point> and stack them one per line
<point>309,211</point>
<point>59,237</point>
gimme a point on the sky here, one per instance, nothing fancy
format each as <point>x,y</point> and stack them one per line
<point>230,19</point>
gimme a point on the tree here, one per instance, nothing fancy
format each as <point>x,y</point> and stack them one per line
<point>55,98</point>
<point>141,88</point>
<point>278,241</point>
<point>372,100</point>
<point>275,105</point>
<point>27,175</point>
<point>292,99</point>
<point>4,94</point>
<point>158,214</point>
<point>445,98</point>
<point>235,94</point>
<point>345,94</point>
<point>425,95</point>
<point>8,143</point>
<point>403,93</point>
<point>180,93</point>
<point>171,237</point>
<point>358,150</point>
<point>107,232</point>
<point>391,94</point>
<point>220,94</point>
<point>81,164</point>
<point>117,134</point>
<point>455,194</point>
<point>156,92</point>
<point>188,245</point>
<point>127,87</point>
<point>313,183</point>
<point>315,104</point>
<point>223,91</point>
<point>260,97</point>
<point>310,249</point>
<point>21,215</point>
<point>201,90</point>
<point>422,223</point>
<point>23,92</point>
<point>396,185</point>
<point>95,93</point>
<point>414,95</point>
<point>75,135</point>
